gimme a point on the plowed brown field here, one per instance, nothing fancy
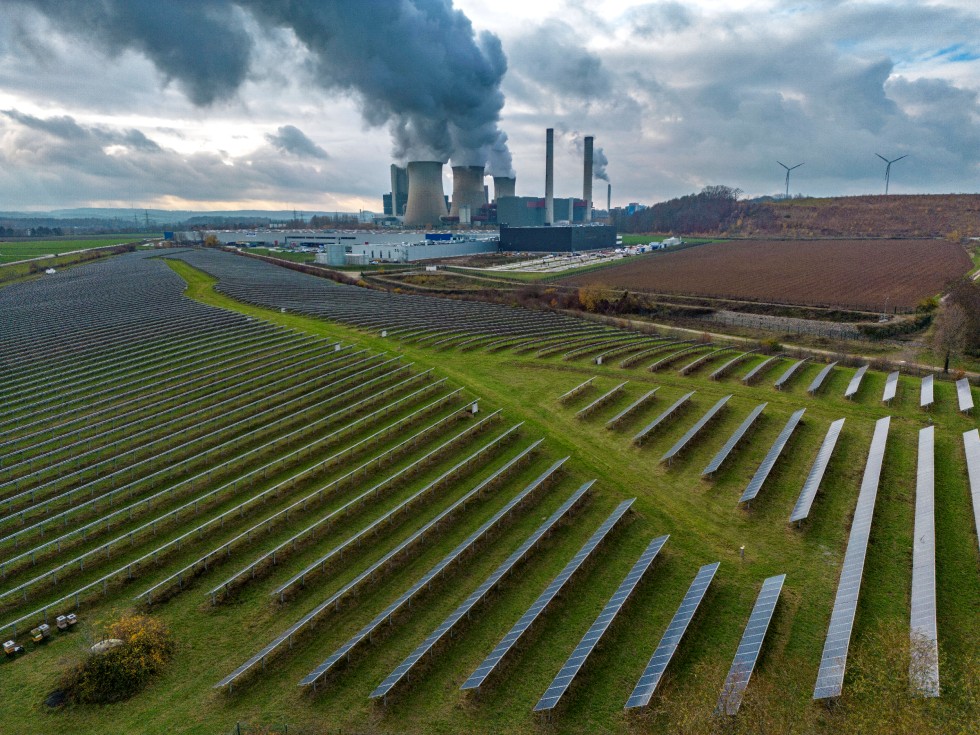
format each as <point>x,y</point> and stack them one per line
<point>861,274</point>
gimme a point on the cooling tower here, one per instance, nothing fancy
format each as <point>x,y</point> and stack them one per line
<point>426,201</point>
<point>587,183</point>
<point>467,189</point>
<point>549,176</point>
<point>504,186</point>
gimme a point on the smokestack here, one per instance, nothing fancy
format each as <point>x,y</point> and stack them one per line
<point>399,189</point>
<point>587,186</point>
<point>609,199</point>
<point>426,201</point>
<point>549,176</point>
<point>467,189</point>
<point>504,186</point>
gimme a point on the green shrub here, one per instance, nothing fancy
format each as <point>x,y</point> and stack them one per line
<point>121,672</point>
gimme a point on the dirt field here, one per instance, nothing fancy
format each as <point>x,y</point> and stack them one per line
<point>862,274</point>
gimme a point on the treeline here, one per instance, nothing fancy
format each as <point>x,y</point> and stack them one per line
<point>713,209</point>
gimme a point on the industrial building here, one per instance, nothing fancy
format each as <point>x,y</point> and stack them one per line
<point>557,238</point>
<point>532,211</point>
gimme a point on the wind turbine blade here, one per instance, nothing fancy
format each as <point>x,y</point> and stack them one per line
<point>882,158</point>
<point>901,157</point>
<point>782,164</point>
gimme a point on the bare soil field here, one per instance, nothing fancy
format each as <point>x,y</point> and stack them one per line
<point>864,274</point>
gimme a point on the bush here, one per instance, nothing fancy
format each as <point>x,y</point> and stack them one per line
<point>770,346</point>
<point>121,672</point>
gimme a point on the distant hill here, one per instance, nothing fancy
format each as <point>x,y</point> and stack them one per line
<point>715,212</point>
<point>906,215</point>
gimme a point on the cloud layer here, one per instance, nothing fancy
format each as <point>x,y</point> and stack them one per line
<point>222,102</point>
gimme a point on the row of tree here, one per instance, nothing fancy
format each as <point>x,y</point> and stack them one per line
<point>713,209</point>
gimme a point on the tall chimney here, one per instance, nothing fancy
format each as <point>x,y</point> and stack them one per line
<point>467,189</point>
<point>609,199</point>
<point>549,176</point>
<point>426,201</point>
<point>399,188</point>
<point>503,186</point>
<point>587,185</point>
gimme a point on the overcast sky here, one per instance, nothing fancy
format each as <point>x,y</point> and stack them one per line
<point>208,104</point>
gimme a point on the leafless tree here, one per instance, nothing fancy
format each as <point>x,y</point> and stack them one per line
<point>950,332</point>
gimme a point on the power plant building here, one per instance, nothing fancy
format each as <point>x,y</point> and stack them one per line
<point>557,239</point>
<point>533,212</point>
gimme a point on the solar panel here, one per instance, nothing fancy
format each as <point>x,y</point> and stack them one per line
<point>478,594</point>
<point>719,372</point>
<point>812,484</point>
<point>964,395</point>
<point>480,674</point>
<point>891,387</point>
<point>701,359</point>
<point>601,401</point>
<point>750,646</point>
<point>784,378</point>
<point>631,408</point>
<point>755,484</point>
<point>758,369</point>
<point>971,445</point>
<point>821,377</point>
<point>926,391</point>
<point>385,615</point>
<point>661,418</point>
<point>549,700</point>
<point>292,630</point>
<point>565,397</point>
<point>830,677</point>
<point>924,664</point>
<point>690,433</point>
<point>852,387</point>
<point>671,639</point>
<point>734,439</point>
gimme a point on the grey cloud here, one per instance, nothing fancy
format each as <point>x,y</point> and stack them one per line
<point>553,57</point>
<point>290,139</point>
<point>202,45</point>
<point>74,168</point>
<point>658,19</point>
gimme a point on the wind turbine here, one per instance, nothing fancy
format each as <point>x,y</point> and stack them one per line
<point>788,169</point>
<point>888,167</point>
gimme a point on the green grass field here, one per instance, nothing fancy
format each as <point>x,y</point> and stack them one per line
<point>13,251</point>
<point>705,526</point>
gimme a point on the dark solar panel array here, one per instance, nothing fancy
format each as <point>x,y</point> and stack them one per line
<point>692,432</point>
<point>926,391</point>
<point>634,406</point>
<point>891,387</point>
<point>601,400</point>
<point>855,384</point>
<point>480,674</point>
<point>963,395</point>
<point>478,594</point>
<point>830,677</point>
<point>784,378</point>
<point>971,445</point>
<point>721,371</point>
<point>757,370</point>
<point>405,598</point>
<point>924,663</point>
<point>661,418</point>
<point>549,700</point>
<point>749,647</point>
<point>821,377</point>
<point>812,484</point>
<point>734,439</point>
<point>755,484</point>
<point>671,639</point>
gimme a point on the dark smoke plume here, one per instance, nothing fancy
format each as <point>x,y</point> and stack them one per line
<point>599,159</point>
<point>417,66</point>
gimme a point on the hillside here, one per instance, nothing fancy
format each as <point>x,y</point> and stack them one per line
<point>874,216</point>
<point>716,211</point>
